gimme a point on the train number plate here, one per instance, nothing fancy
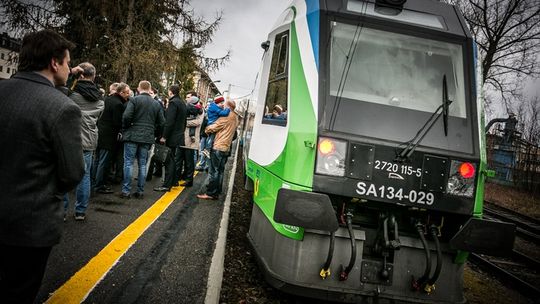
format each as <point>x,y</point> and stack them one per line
<point>393,193</point>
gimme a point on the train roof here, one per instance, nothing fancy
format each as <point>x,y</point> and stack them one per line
<point>430,14</point>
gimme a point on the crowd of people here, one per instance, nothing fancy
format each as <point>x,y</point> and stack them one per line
<point>59,132</point>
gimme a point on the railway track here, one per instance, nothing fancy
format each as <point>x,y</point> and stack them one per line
<point>520,275</point>
<point>519,270</point>
<point>527,227</point>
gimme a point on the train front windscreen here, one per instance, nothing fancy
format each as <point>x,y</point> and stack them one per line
<point>386,85</point>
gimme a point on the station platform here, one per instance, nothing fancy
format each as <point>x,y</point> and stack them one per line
<point>158,249</point>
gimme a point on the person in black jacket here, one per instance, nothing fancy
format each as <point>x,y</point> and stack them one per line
<point>40,160</point>
<point>110,125</point>
<point>142,120</point>
<point>173,135</point>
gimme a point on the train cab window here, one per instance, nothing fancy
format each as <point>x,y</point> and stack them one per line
<point>386,84</point>
<point>276,95</point>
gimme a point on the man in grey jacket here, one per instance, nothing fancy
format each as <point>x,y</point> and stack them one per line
<point>90,100</point>
<point>40,160</point>
<point>142,122</point>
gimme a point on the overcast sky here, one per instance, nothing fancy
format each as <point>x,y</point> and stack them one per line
<point>245,25</point>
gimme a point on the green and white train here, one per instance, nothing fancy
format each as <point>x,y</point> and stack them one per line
<point>365,153</point>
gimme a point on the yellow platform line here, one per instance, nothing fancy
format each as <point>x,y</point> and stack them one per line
<point>79,286</point>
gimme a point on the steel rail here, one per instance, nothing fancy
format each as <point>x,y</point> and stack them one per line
<point>520,256</point>
<point>524,228</point>
<point>494,206</point>
<point>505,276</point>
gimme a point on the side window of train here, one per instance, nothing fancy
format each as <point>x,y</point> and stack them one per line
<point>276,95</point>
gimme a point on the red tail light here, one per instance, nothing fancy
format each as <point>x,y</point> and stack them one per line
<point>466,170</point>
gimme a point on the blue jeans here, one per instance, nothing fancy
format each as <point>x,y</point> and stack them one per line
<point>102,165</point>
<point>132,150</point>
<point>218,160</point>
<point>210,141</point>
<point>83,189</point>
<point>203,164</point>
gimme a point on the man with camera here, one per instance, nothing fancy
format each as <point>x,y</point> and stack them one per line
<point>90,100</point>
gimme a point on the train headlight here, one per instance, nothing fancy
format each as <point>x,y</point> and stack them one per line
<point>461,179</point>
<point>331,156</point>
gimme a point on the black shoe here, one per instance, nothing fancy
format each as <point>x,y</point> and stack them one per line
<point>124,195</point>
<point>138,195</point>
<point>162,189</point>
<point>79,216</point>
<point>186,184</point>
<point>104,191</point>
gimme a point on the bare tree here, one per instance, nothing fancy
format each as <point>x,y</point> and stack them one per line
<point>531,120</point>
<point>508,36</point>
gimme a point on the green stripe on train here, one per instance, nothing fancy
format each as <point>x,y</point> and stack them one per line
<point>294,166</point>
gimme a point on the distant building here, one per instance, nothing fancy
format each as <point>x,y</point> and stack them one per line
<point>9,55</point>
<point>204,86</point>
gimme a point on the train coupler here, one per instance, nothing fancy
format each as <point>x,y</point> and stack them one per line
<point>391,243</point>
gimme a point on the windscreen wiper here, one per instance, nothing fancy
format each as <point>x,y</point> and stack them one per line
<point>442,110</point>
<point>445,104</point>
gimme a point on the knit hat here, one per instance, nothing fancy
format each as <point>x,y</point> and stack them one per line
<point>219,99</point>
<point>193,99</point>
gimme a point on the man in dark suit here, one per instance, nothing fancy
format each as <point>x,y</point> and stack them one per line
<point>173,135</point>
<point>142,119</point>
<point>40,160</point>
<point>109,126</point>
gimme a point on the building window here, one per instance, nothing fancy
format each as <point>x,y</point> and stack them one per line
<point>2,56</point>
<point>276,95</point>
<point>1,68</point>
<point>8,70</point>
